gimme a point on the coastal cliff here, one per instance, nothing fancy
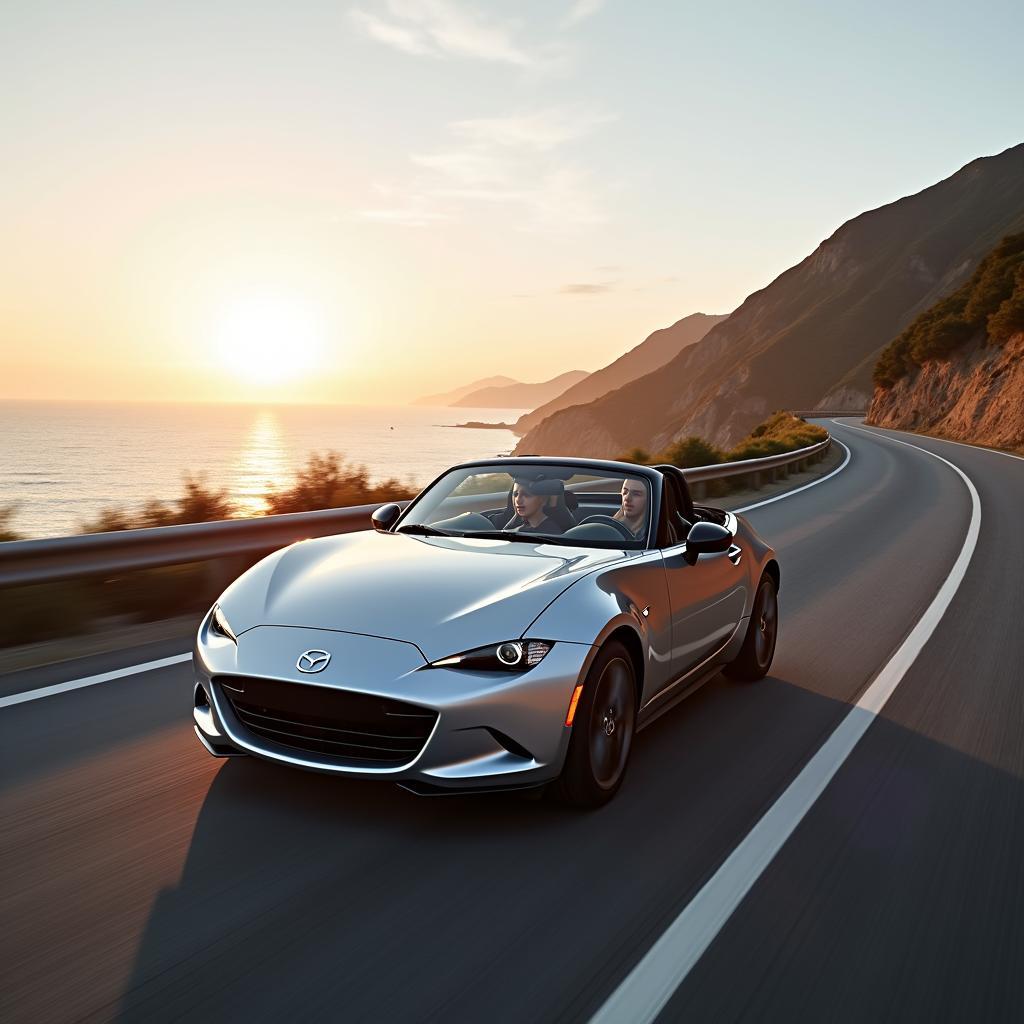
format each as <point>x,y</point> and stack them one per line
<point>976,396</point>
<point>958,370</point>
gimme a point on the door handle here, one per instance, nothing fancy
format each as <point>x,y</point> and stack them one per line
<point>735,554</point>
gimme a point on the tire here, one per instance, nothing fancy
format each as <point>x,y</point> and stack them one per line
<point>602,731</point>
<point>755,657</point>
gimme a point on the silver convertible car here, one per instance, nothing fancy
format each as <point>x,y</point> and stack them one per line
<point>513,627</point>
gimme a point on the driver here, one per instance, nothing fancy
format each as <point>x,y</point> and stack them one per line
<point>633,513</point>
<point>531,509</point>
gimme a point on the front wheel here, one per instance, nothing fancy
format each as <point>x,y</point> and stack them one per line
<point>755,657</point>
<point>602,731</point>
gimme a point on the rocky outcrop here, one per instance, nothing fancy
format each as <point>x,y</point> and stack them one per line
<point>977,396</point>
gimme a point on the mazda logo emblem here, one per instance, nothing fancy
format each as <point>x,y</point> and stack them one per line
<point>313,661</point>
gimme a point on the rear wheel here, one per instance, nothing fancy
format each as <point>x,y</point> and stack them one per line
<point>755,657</point>
<point>602,731</point>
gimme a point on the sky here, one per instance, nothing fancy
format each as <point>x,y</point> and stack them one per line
<point>365,202</point>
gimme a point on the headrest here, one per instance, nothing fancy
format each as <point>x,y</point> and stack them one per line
<point>541,487</point>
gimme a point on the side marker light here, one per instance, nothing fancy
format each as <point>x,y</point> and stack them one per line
<point>571,714</point>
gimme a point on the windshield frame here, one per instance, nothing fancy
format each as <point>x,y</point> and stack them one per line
<point>508,465</point>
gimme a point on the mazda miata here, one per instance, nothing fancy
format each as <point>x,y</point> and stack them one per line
<point>513,627</point>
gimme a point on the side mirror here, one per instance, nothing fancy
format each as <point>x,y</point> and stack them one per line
<point>385,517</point>
<point>706,539</point>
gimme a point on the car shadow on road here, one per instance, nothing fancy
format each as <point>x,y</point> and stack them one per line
<point>306,897</point>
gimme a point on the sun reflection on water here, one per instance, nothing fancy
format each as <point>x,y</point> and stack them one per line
<point>262,465</point>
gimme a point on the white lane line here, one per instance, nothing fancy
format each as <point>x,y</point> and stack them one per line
<point>102,677</point>
<point>649,986</point>
<point>813,483</point>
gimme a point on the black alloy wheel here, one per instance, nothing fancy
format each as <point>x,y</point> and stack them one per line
<point>758,650</point>
<point>602,732</point>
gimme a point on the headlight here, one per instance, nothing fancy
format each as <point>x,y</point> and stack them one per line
<point>511,656</point>
<point>219,625</point>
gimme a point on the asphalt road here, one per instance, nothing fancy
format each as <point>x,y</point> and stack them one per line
<point>140,880</point>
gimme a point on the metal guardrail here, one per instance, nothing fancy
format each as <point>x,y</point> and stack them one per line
<point>98,554</point>
<point>759,470</point>
<point>825,414</point>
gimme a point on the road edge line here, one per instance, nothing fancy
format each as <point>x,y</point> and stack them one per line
<point>643,993</point>
<point>102,677</point>
<point>804,487</point>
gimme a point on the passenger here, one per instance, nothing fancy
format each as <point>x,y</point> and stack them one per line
<point>633,513</point>
<point>531,510</point>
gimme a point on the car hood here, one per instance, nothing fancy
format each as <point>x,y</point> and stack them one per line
<point>444,594</point>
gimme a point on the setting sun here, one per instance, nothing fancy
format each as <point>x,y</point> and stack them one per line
<point>265,339</point>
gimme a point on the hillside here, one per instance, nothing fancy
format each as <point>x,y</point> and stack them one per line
<point>521,396</point>
<point>451,397</point>
<point>958,370</point>
<point>653,352</point>
<point>811,337</point>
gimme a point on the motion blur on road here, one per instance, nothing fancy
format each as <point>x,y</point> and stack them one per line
<point>141,880</point>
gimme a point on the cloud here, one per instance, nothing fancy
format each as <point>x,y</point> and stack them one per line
<point>505,162</point>
<point>468,167</point>
<point>411,211</point>
<point>562,197</point>
<point>580,11</point>
<point>444,28</point>
<point>391,34</point>
<point>542,130</point>
<point>585,289</point>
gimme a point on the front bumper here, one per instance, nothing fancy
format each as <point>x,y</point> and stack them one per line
<point>492,730</point>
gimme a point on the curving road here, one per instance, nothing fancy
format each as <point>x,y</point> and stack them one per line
<point>142,881</point>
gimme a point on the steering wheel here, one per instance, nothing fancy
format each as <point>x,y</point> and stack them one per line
<point>626,532</point>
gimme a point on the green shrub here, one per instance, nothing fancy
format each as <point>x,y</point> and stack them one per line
<point>327,481</point>
<point>6,515</point>
<point>638,456</point>
<point>987,301</point>
<point>197,504</point>
<point>781,432</point>
<point>1008,319</point>
<point>691,452</point>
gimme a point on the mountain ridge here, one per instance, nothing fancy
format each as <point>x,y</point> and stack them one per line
<point>449,397</point>
<point>653,352</point>
<point>521,395</point>
<point>815,331</point>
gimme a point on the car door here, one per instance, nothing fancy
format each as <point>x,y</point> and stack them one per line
<point>707,598</point>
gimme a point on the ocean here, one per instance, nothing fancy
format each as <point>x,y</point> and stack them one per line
<point>61,463</point>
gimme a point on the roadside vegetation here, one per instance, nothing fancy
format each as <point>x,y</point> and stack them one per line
<point>53,610</point>
<point>781,432</point>
<point>7,532</point>
<point>990,303</point>
<point>325,481</point>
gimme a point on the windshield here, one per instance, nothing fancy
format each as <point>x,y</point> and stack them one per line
<point>557,504</point>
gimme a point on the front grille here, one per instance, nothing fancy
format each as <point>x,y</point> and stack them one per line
<point>338,726</point>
